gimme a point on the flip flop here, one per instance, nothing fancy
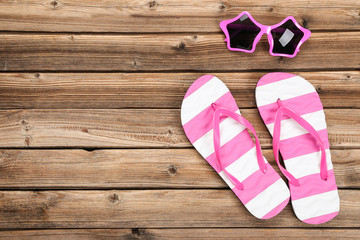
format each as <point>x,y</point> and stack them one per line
<point>293,113</point>
<point>210,115</point>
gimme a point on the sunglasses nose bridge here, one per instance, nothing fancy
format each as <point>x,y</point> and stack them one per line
<point>268,29</point>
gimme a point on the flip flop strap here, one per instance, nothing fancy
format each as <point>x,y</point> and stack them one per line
<point>216,134</point>
<point>276,141</point>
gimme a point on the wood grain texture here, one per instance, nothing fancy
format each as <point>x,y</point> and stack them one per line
<point>149,209</point>
<point>152,90</point>
<point>200,233</point>
<point>135,168</point>
<point>131,63</point>
<point>136,128</point>
<point>175,52</point>
<point>169,15</point>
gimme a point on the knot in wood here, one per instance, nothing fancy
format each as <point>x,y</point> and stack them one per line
<point>153,4</point>
<point>222,7</point>
<point>25,125</point>
<point>172,170</point>
<point>304,22</point>
<point>137,233</point>
<point>137,64</point>
<point>27,141</point>
<point>114,198</point>
<point>54,4</point>
<point>24,122</point>
<point>181,46</point>
<point>319,90</point>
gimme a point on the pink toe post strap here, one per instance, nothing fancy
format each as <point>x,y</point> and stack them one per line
<point>276,141</point>
<point>216,134</point>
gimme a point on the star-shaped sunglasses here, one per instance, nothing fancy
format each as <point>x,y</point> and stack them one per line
<point>243,33</point>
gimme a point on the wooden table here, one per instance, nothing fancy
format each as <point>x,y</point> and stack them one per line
<point>91,141</point>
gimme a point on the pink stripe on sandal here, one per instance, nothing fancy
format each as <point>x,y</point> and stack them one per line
<point>213,124</point>
<point>292,111</point>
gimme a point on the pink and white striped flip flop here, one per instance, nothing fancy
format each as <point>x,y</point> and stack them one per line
<point>212,122</point>
<point>292,111</point>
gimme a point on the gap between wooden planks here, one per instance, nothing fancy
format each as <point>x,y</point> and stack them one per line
<point>153,90</point>
<point>182,233</point>
<point>170,15</point>
<point>149,209</point>
<point>136,128</point>
<point>110,16</point>
<point>133,169</point>
<point>168,52</point>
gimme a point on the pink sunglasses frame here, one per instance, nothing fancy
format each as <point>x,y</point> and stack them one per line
<point>264,29</point>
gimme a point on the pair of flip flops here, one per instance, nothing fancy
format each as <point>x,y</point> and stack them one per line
<point>293,113</point>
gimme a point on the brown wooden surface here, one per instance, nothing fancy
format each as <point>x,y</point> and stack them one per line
<point>77,77</point>
<point>183,233</point>
<point>133,168</point>
<point>136,128</point>
<point>149,209</point>
<point>170,15</point>
<point>153,90</point>
<point>169,52</point>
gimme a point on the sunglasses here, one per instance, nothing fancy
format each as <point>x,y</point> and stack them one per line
<point>243,33</point>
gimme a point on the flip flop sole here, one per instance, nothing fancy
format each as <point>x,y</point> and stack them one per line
<point>264,195</point>
<point>315,201</point>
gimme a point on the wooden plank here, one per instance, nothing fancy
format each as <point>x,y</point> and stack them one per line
<point>152,90</point>
<point>136,128</point>
<point>149,209</point>
<point>134,168</point>
<point>170,15</point>
<point>175,52</point>
<point>182,233</point>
